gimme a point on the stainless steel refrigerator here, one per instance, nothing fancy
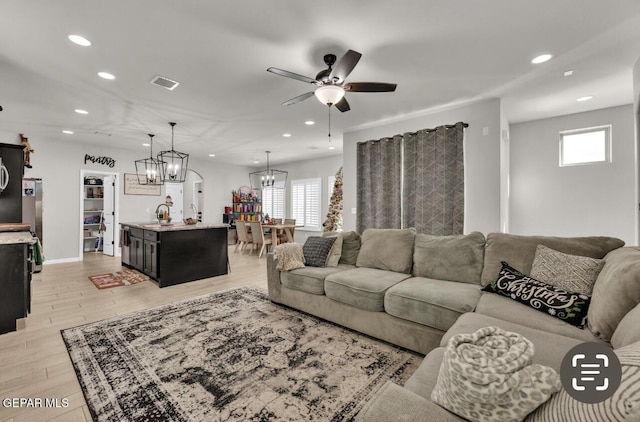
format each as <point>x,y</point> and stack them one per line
<point>32,208</point>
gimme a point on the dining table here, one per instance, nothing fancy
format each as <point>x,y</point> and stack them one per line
<point>287,229</point>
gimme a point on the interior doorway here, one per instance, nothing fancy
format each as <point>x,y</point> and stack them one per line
<point>175,195</point>
<point>99,213</point>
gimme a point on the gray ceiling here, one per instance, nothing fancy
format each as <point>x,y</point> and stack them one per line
<point>440,53</point>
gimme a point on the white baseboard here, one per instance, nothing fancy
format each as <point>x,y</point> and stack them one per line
<point>60,261</point>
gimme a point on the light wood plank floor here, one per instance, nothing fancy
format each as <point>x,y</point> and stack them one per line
<point>33,360</point>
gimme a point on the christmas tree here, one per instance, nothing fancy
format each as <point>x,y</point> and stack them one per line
<point>333,223</point>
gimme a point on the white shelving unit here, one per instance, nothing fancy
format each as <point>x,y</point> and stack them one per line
<point>92,214</point>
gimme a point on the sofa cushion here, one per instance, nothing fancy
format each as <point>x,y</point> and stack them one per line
<point>336,249</point>
<point>387,249</point>
<point>616,292</point>
<point>569,272</point>
<point>316,250</point>
<point>436,303</point>
<point>424,379</point>
<point>310,279</point>
<point>571,307</point>
<point>504,308</point>
<point>519,251</point>
<point>549,348</point>
<point>628,331</point>
<point>623,405</point>
<point>456,258</point>
<point>350,248</point>
<point>394,403</point>
<point>363,288</point>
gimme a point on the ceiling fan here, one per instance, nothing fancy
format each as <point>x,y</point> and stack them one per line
<point>330,82</point>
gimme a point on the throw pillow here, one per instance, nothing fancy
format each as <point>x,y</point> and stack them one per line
<point>336,250</point>
<point>570,307</point>
<point>289,256</point>
<point>350,248</point>
<point>452,258</point>
<point>624,405</point>
<point>569,272</point>
<point>387,249</point>
<point>316,250</point>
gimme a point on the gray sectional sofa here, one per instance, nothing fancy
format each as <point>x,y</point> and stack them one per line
<point>417,291</point>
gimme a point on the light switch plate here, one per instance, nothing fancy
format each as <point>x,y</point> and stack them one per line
<point>353,210</point>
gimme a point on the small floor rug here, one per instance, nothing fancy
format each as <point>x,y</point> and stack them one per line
<point>120,278</point>
<point>229,356</point>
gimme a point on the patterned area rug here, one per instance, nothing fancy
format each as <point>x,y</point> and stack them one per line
<point>120,278</point>
<point>229,356</point>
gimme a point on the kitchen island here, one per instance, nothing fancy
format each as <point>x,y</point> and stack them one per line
<point>175,253</point>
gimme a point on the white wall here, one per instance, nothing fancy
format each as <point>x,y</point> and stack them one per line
<point>585,200</point>
<point>59,165</point>
<point>481,154</point>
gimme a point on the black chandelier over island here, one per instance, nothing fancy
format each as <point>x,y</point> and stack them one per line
<point>176,163</point>
<point>268,178</point>
<point>150,170</point>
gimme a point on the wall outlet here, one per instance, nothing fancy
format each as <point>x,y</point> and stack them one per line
<point>485,131</point>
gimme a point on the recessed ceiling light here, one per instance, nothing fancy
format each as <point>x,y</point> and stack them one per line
<point>541,58</point>
<point>256,162</point>
<point>309,123</point>
<point>80,111</point>
<point>585,98</point>
<point>80,40</point>
<point>106,75</point>
<point>568,72</point>
<point>68,132</point>
<point>212,155</point>
<point>286,135</point>
<point>332,147</point>
<point>146,145</point>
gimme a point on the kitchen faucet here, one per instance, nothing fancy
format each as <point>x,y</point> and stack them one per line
<point>160,216</point>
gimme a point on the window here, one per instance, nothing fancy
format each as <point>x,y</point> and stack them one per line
<point>331,184</point>
<point>305,202</point>
<point>273,202</point>
<point>585,146</point>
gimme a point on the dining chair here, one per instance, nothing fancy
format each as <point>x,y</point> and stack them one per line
<point>277,220</point>
<point>258,237</point>
<point>244,238</point>
<point>289,221</point>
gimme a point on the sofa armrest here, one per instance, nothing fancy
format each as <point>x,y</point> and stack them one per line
<point>395,403</point>
<point>273,279</point>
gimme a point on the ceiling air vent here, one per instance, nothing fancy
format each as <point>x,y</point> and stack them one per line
<point>165,82</point>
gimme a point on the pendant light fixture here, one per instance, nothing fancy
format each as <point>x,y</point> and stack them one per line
<point>150,170</point>
<point>268,178</point>
<point>175,168</point>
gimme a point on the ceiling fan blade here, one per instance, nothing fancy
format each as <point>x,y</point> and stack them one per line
<point>369,87</point>
<point>345,65</point>
<point>292,75</point>
<point>343,105</point>
<point>298,98</point>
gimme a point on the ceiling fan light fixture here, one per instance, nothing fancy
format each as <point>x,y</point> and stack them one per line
<point>329,94</point>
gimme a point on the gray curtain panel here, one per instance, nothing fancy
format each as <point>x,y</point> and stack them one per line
<point>433,191</point>
<point>379,184</point>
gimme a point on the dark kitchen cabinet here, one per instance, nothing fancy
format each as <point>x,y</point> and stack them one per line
<point>151,258</point>
<point>15,284</point>
<point>136,249</point>
<point>11,198</point>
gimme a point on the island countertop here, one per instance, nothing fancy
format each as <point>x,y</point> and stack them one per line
<point>8,238</point>
<point>173,227</point>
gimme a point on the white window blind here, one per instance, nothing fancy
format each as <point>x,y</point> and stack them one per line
<point>273,202</point>
<point>305,202</point>
<point>331,182</point>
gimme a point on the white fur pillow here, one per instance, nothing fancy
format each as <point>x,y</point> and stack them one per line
<point>289,256</point>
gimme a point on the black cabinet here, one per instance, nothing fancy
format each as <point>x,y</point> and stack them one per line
<point>136,249</point>
<point>151,258</point>
<point>15,284</point>
<point>11,198</point>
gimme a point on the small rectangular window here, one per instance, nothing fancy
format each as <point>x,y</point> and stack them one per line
<point>585,146</point>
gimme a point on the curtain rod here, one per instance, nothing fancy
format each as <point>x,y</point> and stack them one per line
<point>425,130</point>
